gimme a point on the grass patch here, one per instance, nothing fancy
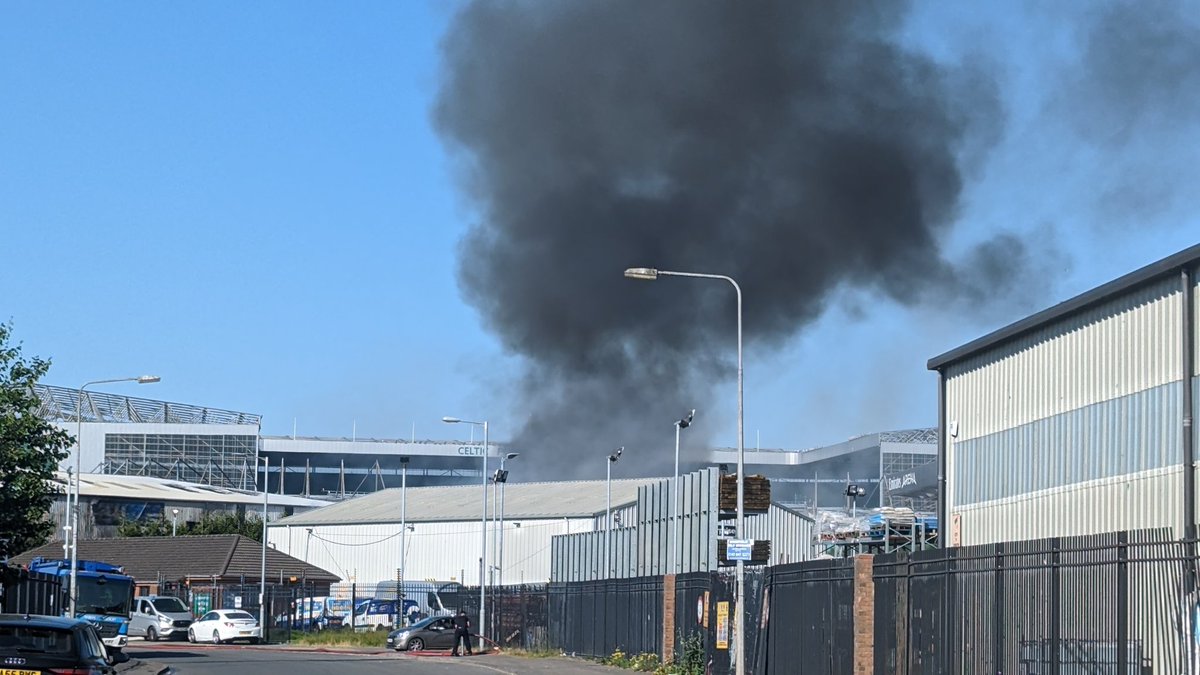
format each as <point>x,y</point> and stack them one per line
<point>341,637</point>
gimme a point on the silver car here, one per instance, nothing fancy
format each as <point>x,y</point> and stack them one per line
<point>159,616</point>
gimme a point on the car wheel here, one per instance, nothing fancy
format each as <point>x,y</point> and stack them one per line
<point>416,645</point>
<point>152,634</point>
<point>191,636</point>
<point>216,638</point>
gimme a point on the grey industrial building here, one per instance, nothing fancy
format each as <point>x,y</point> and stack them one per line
<point>800,478</point>
<point>1077,419</point>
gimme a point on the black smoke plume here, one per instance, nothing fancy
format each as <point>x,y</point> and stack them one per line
<point>793,145</point>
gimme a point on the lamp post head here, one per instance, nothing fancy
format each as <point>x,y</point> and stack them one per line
<point>643,273</point>
<point>174,512</point>
<point>616,455</point>
<point>687,420</point>
<point>451,420</point>
<point>148,379</point>
<point>512,455</point>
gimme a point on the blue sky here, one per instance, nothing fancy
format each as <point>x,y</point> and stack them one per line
<point>250,201</point>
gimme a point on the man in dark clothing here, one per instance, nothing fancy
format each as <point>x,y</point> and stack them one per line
<point>462,632</point>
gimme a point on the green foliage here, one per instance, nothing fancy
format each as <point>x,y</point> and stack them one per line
<point>692,661</point>
<point>30,451</point>
<point>211,523</point>
<point>643,663</point>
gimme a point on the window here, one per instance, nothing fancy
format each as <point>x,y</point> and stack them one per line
<point>169,605</point>
<point>238,615</point>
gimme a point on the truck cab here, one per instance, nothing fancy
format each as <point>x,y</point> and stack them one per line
<point>105,595</point>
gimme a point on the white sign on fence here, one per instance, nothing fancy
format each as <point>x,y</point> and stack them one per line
<point>739,549</point>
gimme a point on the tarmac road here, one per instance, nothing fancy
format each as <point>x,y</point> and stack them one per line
<point>190,659</point>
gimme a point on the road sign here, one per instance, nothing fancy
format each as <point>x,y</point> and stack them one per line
<point>739,549</point>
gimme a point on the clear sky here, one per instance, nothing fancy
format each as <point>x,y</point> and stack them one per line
<point>250,201</point>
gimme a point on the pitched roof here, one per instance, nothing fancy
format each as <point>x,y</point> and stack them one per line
<point>527,501</point>
<point>174,558</point>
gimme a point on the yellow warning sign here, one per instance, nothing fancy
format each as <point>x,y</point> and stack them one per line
<point>722,625</point>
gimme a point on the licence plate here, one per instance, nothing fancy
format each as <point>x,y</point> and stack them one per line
<point>245,632</point>
<point>10,671</point>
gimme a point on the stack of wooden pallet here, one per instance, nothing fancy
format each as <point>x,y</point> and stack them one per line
<point>757,496</point>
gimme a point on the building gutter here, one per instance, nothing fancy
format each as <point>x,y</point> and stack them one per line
<point>943,447</point>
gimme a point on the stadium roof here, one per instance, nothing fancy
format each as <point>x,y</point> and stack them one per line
<point>167,490</point>
<point>528,501</point>
<point>64,404</point>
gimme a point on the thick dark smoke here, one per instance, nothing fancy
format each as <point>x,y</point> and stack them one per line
<point>792,145</point>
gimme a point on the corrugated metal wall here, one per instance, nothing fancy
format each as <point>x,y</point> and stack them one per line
<point>644,550</point>
<point>442,551</point>
<point>1072,429</point>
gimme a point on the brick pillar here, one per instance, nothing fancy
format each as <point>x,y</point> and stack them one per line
<point>668,636</point>
<point>864,616</point>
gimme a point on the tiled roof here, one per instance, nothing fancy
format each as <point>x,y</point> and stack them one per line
<point>175,558</point>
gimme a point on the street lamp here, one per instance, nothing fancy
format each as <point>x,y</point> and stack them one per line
<point>403,535</point>
<point>612,459</point>
<point>675,524</point>
<point>144,379</point>
<point>651,274</point>
<point>262,582</point>
<point>483,526</point>
<point>502,478</point>
<point>174,517</point>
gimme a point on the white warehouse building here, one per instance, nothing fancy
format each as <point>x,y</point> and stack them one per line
<point>360,539</point>
<point>1078,419</point>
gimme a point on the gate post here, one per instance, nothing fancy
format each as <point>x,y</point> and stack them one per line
<point>668,634</point>
<point>864,615</point>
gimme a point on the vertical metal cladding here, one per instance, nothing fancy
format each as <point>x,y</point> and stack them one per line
<point>1074,427</point>
<point>643,550</point>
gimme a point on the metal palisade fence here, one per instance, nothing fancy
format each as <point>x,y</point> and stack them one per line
<point>1121,604</point>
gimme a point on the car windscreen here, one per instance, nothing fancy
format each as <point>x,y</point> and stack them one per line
<point>238,615</point>
<point>102,595</point>
<point>22,639</point>
<point>169,605</point>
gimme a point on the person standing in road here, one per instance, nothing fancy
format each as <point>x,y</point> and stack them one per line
<point>462,632</point>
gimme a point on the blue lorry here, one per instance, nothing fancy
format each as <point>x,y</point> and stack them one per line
<point>105,595</point>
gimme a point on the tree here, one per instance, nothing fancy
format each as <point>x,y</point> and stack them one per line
<point>31,449</point>
<point>211,523</point>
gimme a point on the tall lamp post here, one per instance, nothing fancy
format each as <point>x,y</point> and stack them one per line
<point>612,459</point>
<point>262,582</point>
<point>144,379</point>
<point>174,520</point>
<point>651,274</point>
<point>502,477</point>
<point>403,535</point>
<point>675,524</point>
<point>483,526</point>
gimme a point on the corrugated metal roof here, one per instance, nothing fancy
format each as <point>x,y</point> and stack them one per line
<point>165,489</point>
<point>1152,272</point>
<point>571,499</point>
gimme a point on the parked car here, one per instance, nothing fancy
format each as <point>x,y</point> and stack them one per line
<point>436,632</point>
<point>52,644</point>
<point>156,616</point>
<point>225,625</point>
